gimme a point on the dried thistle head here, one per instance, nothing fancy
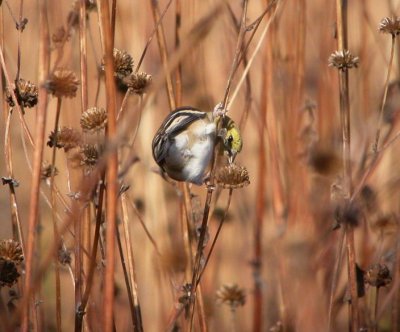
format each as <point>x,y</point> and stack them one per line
<point>62,83</point>
<point>47,171</point>
<point>64,256</point>
<point>89,155</point>
<point>66,137</point>
<point>73,15</point>
<point>11,250</point>
<point>231,295</point>
<point>123,63</point>
<point>10,257</point>
<point>60,36</point>
<point>25,92</point>
<point>343,60</point>
<point>232,176</point>
<point>378,275</point>
<point>138,82</point>
<point>390,25</point>
<point>94,119</point>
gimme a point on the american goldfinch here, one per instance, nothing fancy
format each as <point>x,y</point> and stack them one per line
<point>184,144</point>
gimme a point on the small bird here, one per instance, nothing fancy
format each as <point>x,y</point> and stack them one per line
<point>184,144</point>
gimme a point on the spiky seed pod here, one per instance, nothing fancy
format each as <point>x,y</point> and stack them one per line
<point>73,15</point>
<point>138,82</point>
<point>46,172</point>
<point>64,256</point>
<point>89,155</point>
<point>390,25</point>
<point>11,250</point>
<point>10,257</point>
<point>378,275</point>
<point>62,83</point>
<point>343,60</point>
<point>67,138</point>
<point>25,92</point>
<point>60,36</point>
<point>232,295</point>
<point>94,119</point>
<point>123,63</point>
<point>232,176</point>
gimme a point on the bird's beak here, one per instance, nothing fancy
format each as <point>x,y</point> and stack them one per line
<point>231,157</point>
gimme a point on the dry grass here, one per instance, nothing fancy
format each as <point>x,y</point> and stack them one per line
<point>312,244</point>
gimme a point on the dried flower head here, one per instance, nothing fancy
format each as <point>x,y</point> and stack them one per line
<point>62,83</point>
<point>73,15</point>
<point>378,275</point>
<point>233,176</point>
<point>94,119</point>
<point>11,250</point>
<point>343,60</point>
<point>123,63</point>
<point>390,25</point>
<point>66,137</point>
<point>25,92</point>
<point>89,155</point>
<point>47,170</point>
<point>232,295</point>
<point>64,256</point>
<point>60,36</point>
<point>10,257</point>
<point>138,82</point>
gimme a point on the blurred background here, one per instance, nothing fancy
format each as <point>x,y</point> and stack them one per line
<point>281,241</point>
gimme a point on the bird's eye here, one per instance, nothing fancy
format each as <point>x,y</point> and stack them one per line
<point>230,139</point>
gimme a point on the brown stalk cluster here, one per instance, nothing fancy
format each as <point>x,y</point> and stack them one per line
<point>10,259</point>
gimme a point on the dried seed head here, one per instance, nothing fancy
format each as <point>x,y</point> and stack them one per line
<point>64,256</point>
<point>25,92</point>
<point>89,155</point>
<point>11,250</point>
<point>343,60</point>
<point>378,275</point>
<point>233,176</point>
<point>73,15</point>
<point>138,82</point>
<point>46,172</point>
<point>10,257</point>
<point>60,36</point>
<point>123,63</point>
<point>62,83</point>
<point>390,25</point>
<point>67,138</point>
<point>94,119</point>
<point>232,295</point>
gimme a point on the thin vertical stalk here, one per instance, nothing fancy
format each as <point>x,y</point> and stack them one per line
<point>37,159</point>
<point>133,294</point>
<point>341,16</point>
<point>162,46</point>
<point>112,169</point>
<point>375,319</point>
<point>54,217</point>
<point>380,120</point>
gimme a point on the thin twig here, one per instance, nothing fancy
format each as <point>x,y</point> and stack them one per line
<point>44,63</point>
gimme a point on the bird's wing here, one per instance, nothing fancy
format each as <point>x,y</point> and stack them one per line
<point>174,123</point>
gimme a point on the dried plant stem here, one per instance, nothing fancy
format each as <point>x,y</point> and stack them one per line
<point>37,160</point>
<point>152,35</point>
<point>378,131</point>
<point>15,219</point>
<point>341,16</point>
<point>162,46</point>
<point>375,317</point>
<point>81,308</point>
<point>112,169</point>
<point>133,294</point>
<point>216,234</point>
<point>335,278</point>
<point>54,217</point>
